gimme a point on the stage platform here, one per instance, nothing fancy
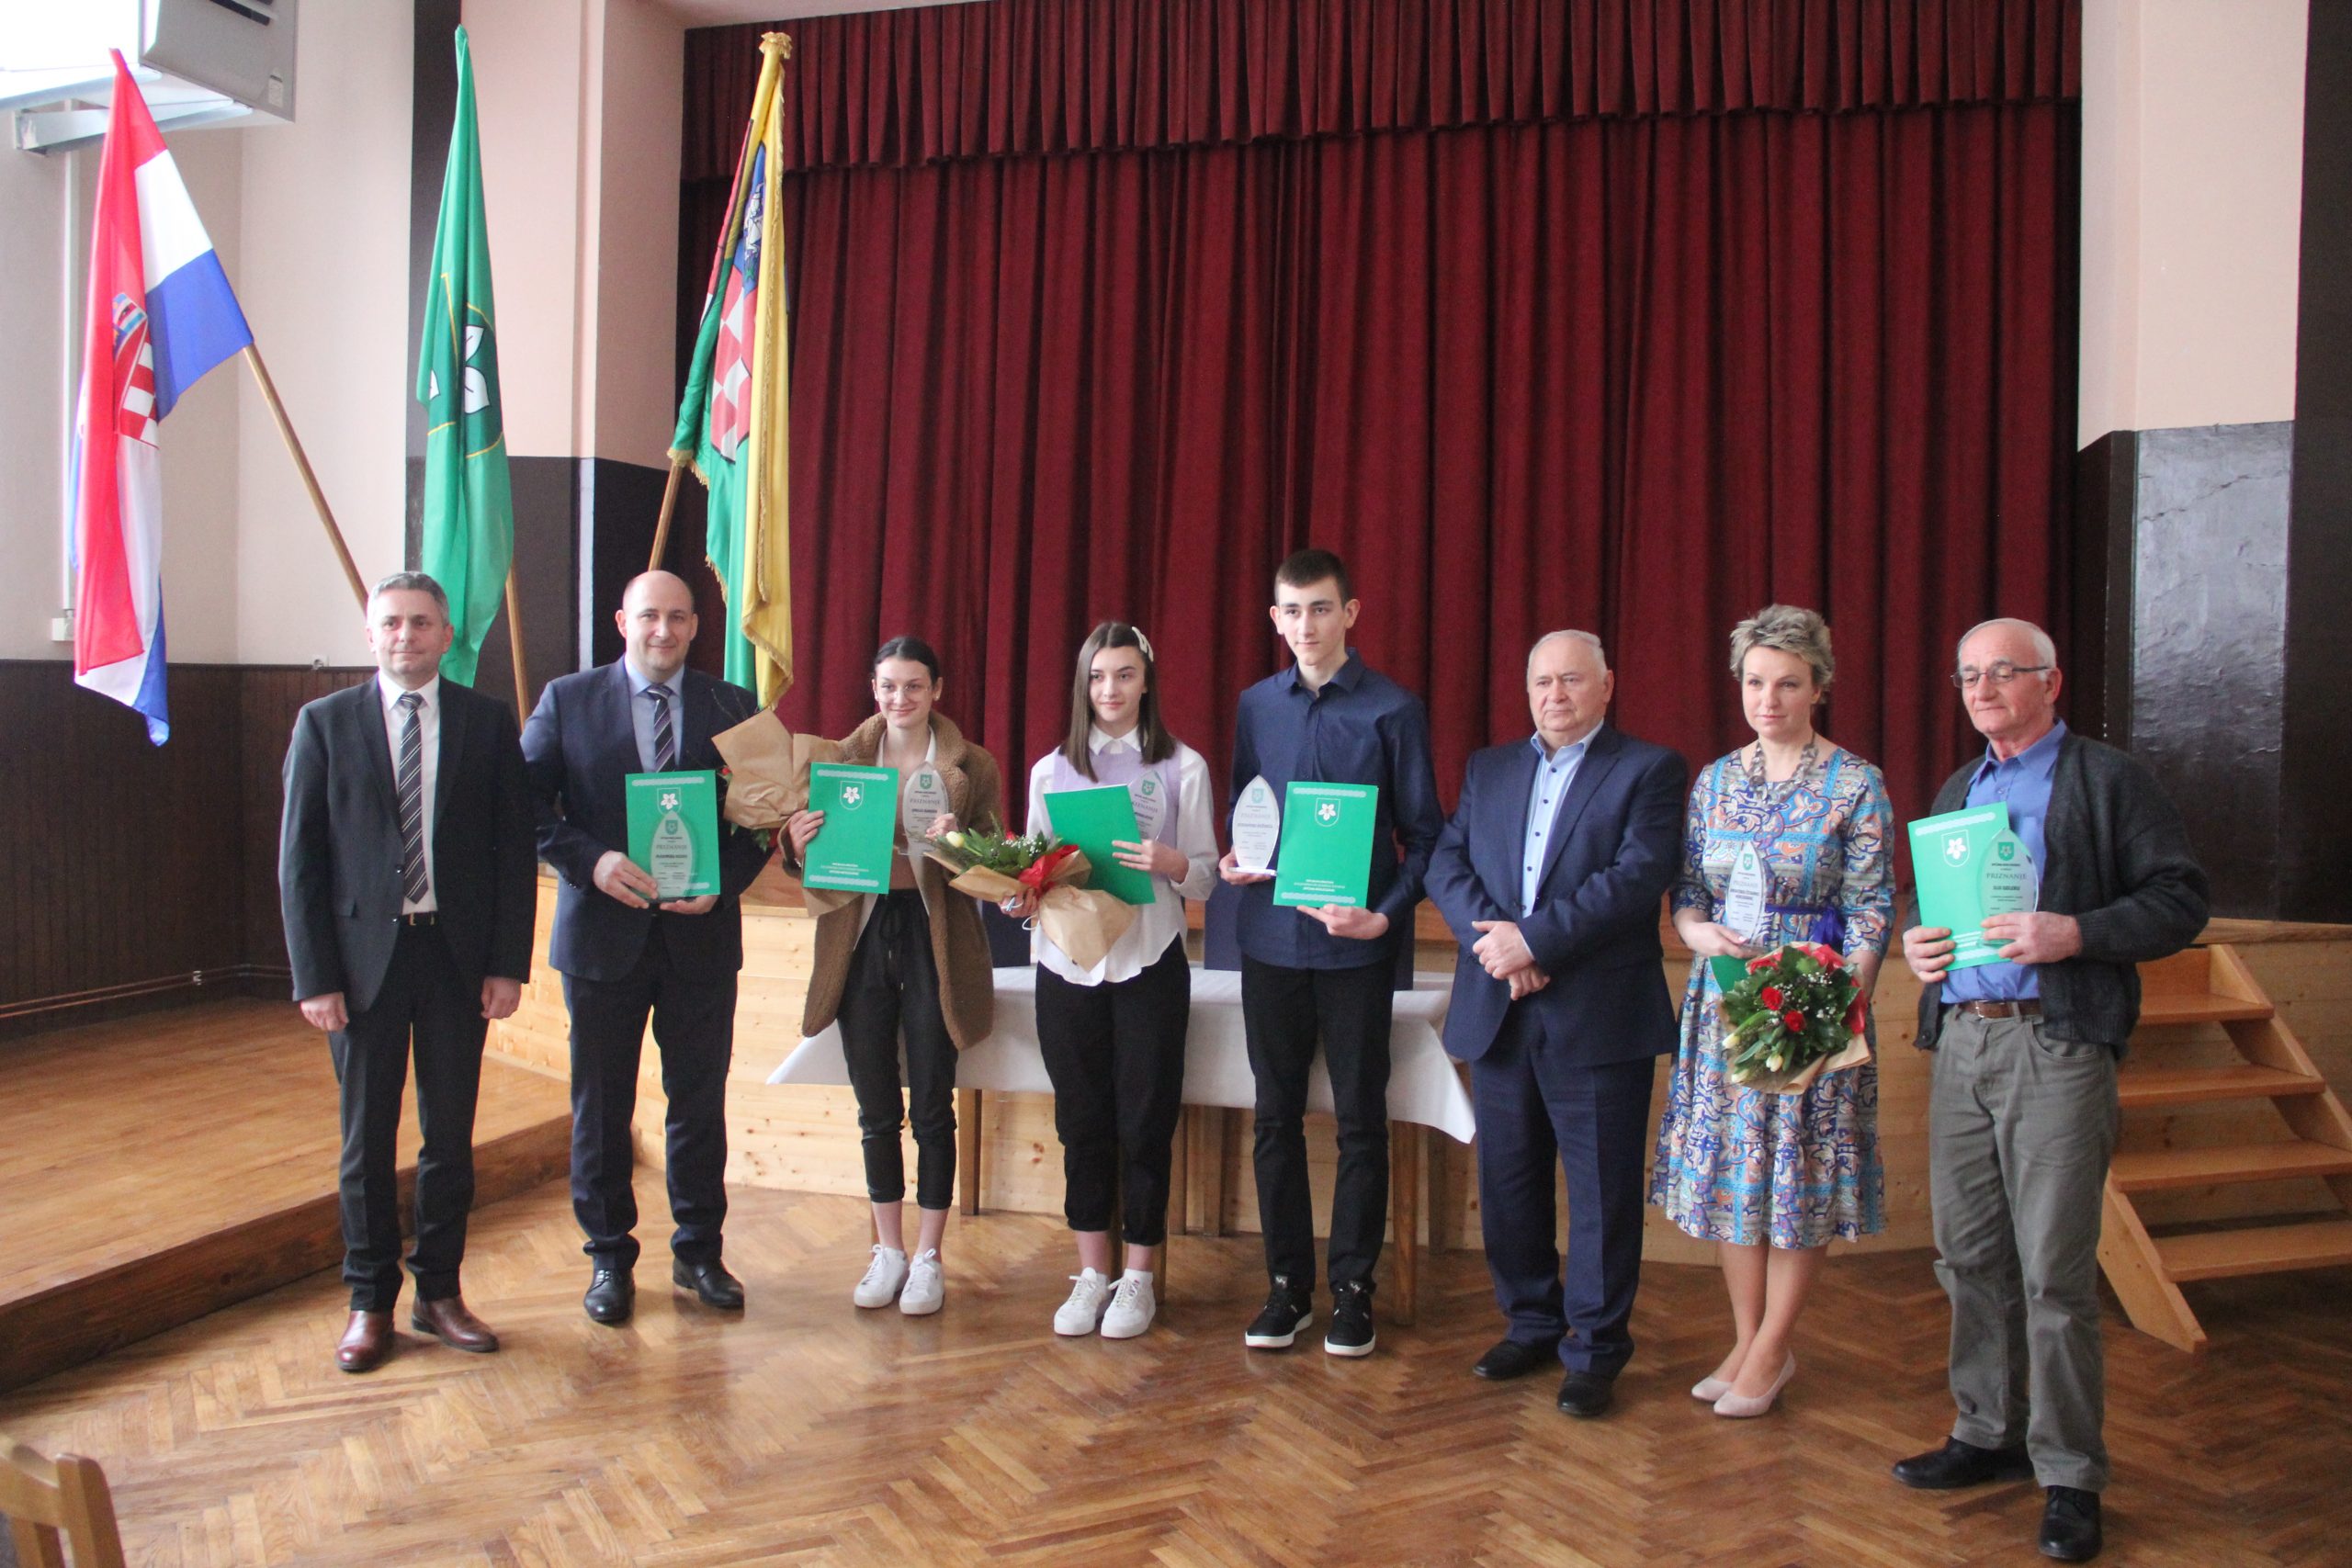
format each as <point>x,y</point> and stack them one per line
<point>157,1168</point>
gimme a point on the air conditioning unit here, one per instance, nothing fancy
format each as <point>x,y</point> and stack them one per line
<point>198,61</point>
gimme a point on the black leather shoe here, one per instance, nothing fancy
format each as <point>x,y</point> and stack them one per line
<point>612,1296</point>
<point>1513,1358</point>
<point>1962,1464</point>
<point>709,1280</point>
<point>2069,1524</point>
<point>1586,1395</point>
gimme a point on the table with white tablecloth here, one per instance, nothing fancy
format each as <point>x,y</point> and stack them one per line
<point>1424,1087</point>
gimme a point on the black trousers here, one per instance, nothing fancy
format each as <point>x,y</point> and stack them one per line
<point>1535,1108</point>
<point>1115,1053</point>
<point>893,987</point>
<point>693,1028</point>
<point>424,1006</point>
<point>1285,1013</point>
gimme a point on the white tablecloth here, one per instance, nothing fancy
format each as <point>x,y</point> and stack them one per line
<point>1423,1087</point>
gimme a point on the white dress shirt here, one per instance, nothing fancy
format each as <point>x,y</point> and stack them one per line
<point>428,724</point>
<point>1162,920</point>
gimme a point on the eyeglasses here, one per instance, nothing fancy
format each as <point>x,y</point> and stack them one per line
<point>2000,672</point>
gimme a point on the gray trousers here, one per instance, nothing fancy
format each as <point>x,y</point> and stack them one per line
<point>2021,1127</point>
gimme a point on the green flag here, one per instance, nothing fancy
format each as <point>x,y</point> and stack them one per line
<point>468,521</point>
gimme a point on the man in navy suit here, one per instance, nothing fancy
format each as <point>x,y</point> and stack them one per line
<point>407,877</point>
<point>1550,875</point>
<point>623,958</point>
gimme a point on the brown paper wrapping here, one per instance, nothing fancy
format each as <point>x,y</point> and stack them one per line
<point>767,781</point>
<point>1857,1052</point>
<point>768,770</point>
<point>1083,922</point>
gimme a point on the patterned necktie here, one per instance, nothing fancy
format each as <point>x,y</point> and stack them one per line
<point>665,739</point>
<point>411,789</point>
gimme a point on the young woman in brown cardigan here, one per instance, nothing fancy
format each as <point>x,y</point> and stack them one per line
<point>914,959</point>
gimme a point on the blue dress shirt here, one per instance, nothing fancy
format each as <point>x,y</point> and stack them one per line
<point>1553,774</point>
<point>1359,727</point>
<point>2023,784</point>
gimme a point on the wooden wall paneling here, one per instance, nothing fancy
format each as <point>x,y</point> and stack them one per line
<point>121,853</point>
<point>132,875</point>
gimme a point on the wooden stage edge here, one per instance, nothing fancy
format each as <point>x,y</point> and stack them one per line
<point>162,1168</point>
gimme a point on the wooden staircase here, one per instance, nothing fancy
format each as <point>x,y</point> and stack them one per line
<point>2212,985</point>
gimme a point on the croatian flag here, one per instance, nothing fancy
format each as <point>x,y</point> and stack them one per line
<point>160,314</point>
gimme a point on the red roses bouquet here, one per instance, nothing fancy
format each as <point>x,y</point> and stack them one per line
<point>1795,1014</point>
<point>997,866</point>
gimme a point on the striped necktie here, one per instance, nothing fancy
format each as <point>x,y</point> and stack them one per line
<point>413,885</point>
<point>665,739</point>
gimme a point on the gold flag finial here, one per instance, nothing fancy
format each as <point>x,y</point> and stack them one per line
<point>777,44</point>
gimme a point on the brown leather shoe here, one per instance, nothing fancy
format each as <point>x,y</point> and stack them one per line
<point>448,1320</point>
<point>365,1342</point>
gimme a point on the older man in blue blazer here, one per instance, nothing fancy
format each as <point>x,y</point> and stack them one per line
<point>1550,875</point>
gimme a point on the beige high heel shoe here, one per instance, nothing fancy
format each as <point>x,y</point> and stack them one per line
<point>1739,1409</point>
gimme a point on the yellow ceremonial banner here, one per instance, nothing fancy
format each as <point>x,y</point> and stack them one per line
<point>764,610</point>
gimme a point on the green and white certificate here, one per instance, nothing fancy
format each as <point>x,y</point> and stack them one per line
<point>1326,844</point>
<point>851,853</point>
<point>1969,865</point>
<point>673,831</point>
<point>1094,820</point>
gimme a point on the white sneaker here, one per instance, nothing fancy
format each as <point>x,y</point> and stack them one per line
<point>1084,1309</point>
<point>1132,1306</point>
<point>883,1277</point>
<point>924,1290</point>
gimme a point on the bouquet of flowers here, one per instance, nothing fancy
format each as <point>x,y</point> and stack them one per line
<point>996,855</point>
<point>996,866</point>
<point>1794,1014</point>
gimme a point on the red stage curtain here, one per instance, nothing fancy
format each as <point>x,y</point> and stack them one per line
<point>1017,77</point>
<point>1636,373</point>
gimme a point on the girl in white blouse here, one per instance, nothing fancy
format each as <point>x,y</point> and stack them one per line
<point>1113,1036</point>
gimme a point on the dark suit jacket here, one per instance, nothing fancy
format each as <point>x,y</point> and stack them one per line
<point>339,852</point>
<point>579,748</point>
<point>2119,863</point>
<point>1614,848</point>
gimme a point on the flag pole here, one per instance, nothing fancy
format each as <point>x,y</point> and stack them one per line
<point>309,480</point>
<point>514,645</point>
<point>669,505</point>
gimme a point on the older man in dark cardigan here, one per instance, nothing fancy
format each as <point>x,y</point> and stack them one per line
<point>2022,1113</point>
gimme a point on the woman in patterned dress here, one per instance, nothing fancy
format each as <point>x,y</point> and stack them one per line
<point>1770,1178</point>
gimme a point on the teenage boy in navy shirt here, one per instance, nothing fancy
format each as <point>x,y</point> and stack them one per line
<point>1327,973</point>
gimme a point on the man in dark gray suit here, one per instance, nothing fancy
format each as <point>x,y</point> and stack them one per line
<point>625,958</point>
<point>2021,1118</point>
<point>407,870</point>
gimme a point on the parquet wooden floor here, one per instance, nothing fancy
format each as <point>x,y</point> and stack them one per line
<point>808,1432</point>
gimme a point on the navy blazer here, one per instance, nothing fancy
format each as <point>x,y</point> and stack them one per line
<point>339,847</point>
<point>1614,849</point>
<point>579,748</point>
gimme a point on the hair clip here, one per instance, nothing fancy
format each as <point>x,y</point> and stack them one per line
<point>1144,643</point>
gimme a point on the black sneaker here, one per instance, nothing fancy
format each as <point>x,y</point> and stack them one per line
<point>1278,1322</point>
<point>1351,1320</point>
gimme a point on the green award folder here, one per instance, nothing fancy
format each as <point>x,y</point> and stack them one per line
<point>1326,844</point>
<point>673,831</point>
<point>1968,866</point>
<point>1094,820</point>
<point>851,853</point>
